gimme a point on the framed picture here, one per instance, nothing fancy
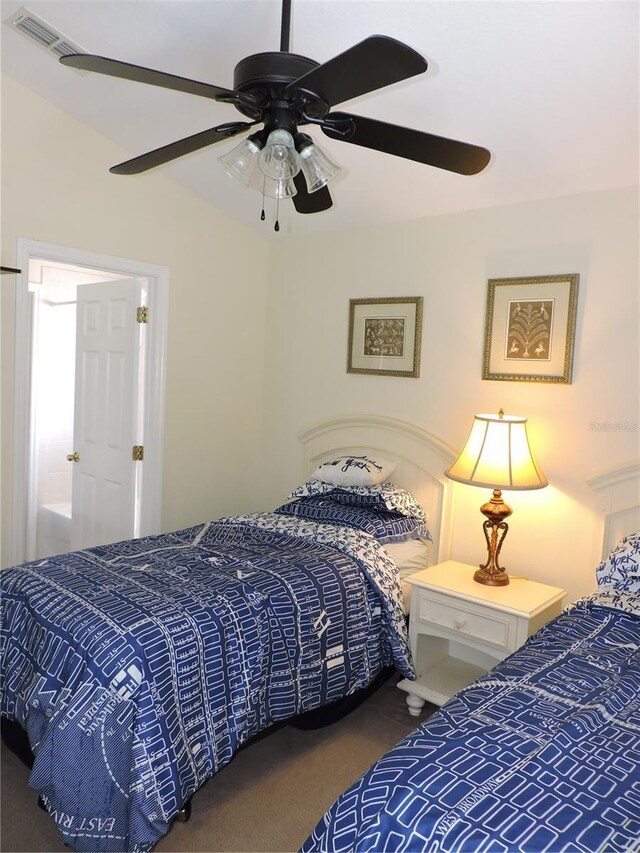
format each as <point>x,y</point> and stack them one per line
<point>530,328</point>
<point>384,336</point>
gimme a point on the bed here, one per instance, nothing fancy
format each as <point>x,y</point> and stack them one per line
<point>139,668</point>
<point>540,754</point>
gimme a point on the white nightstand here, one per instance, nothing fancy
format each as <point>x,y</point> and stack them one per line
<point>460,629</point>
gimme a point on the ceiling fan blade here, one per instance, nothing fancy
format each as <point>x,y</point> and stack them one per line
<point>306,202</point>
<point>438,151</point>
<point>369,65</point>
<point>127,71</point>
<point>177,149</point>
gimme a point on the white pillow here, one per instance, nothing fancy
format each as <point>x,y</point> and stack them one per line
<point>354,471</point>
<point>411,556</point>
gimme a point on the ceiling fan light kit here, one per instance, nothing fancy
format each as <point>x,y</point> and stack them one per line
<point>280,160</point>
<point>283,91</point>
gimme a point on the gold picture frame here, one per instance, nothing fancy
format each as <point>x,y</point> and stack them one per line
<point>530,328</point>
<point>385,335</point>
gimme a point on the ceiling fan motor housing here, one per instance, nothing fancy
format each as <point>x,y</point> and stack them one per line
<point>265,76</point>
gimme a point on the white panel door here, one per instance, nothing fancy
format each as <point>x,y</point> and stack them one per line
<point>106,412</point>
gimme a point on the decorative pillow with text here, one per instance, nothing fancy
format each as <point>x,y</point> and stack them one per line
<point>354,471</point>
<point>621,569</point>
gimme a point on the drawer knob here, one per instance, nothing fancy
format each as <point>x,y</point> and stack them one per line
<point>459,622</point>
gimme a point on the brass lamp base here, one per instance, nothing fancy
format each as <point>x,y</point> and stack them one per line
<point>495,529</point>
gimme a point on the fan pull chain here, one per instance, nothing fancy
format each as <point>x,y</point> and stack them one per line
<point>276,227</point>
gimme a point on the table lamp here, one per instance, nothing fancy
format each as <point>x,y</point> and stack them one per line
<point>497,455</point>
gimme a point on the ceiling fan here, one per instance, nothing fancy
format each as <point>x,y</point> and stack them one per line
<point>283,91</point>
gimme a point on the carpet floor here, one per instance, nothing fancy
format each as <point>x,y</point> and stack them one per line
<point>268,798</point>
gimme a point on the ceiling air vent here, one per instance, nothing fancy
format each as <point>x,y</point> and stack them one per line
<point>42,33</point>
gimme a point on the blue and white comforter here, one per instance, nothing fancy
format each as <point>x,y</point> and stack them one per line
<point>139,668</point>
<point>541,754</point>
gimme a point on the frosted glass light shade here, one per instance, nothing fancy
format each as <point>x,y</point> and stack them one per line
<point>278,189</point>
<point>241,161</point>
<point>279,159</point>
<point>497,454</point>
<point>317,168</point>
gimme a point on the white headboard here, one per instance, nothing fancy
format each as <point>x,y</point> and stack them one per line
<point>619,500</point>
<point>420,458</point>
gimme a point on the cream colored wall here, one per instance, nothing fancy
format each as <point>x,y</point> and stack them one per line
<point>555,532</point>
<point>56,188</point>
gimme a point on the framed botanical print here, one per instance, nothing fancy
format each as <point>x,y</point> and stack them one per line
<point>530,328</point>
<point>384,336</point>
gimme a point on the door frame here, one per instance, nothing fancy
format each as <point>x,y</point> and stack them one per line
<point>23,490</point>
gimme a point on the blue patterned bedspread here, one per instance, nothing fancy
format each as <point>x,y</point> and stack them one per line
<point>139,668</point>
<point>541,754</point>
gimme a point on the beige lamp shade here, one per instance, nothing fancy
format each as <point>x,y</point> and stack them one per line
<point>497,455</point>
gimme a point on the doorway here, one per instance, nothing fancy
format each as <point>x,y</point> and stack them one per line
<point>57,503</point>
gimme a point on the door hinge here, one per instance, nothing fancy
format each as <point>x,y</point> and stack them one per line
<point>142,314</point>
<point>137,453</point>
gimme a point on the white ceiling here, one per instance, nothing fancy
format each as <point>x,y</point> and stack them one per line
<point>551,87</point>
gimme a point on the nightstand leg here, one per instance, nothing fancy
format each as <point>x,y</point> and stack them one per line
<point>415,704</point>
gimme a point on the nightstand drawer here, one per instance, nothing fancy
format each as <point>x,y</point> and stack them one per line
<point>468,620</point>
